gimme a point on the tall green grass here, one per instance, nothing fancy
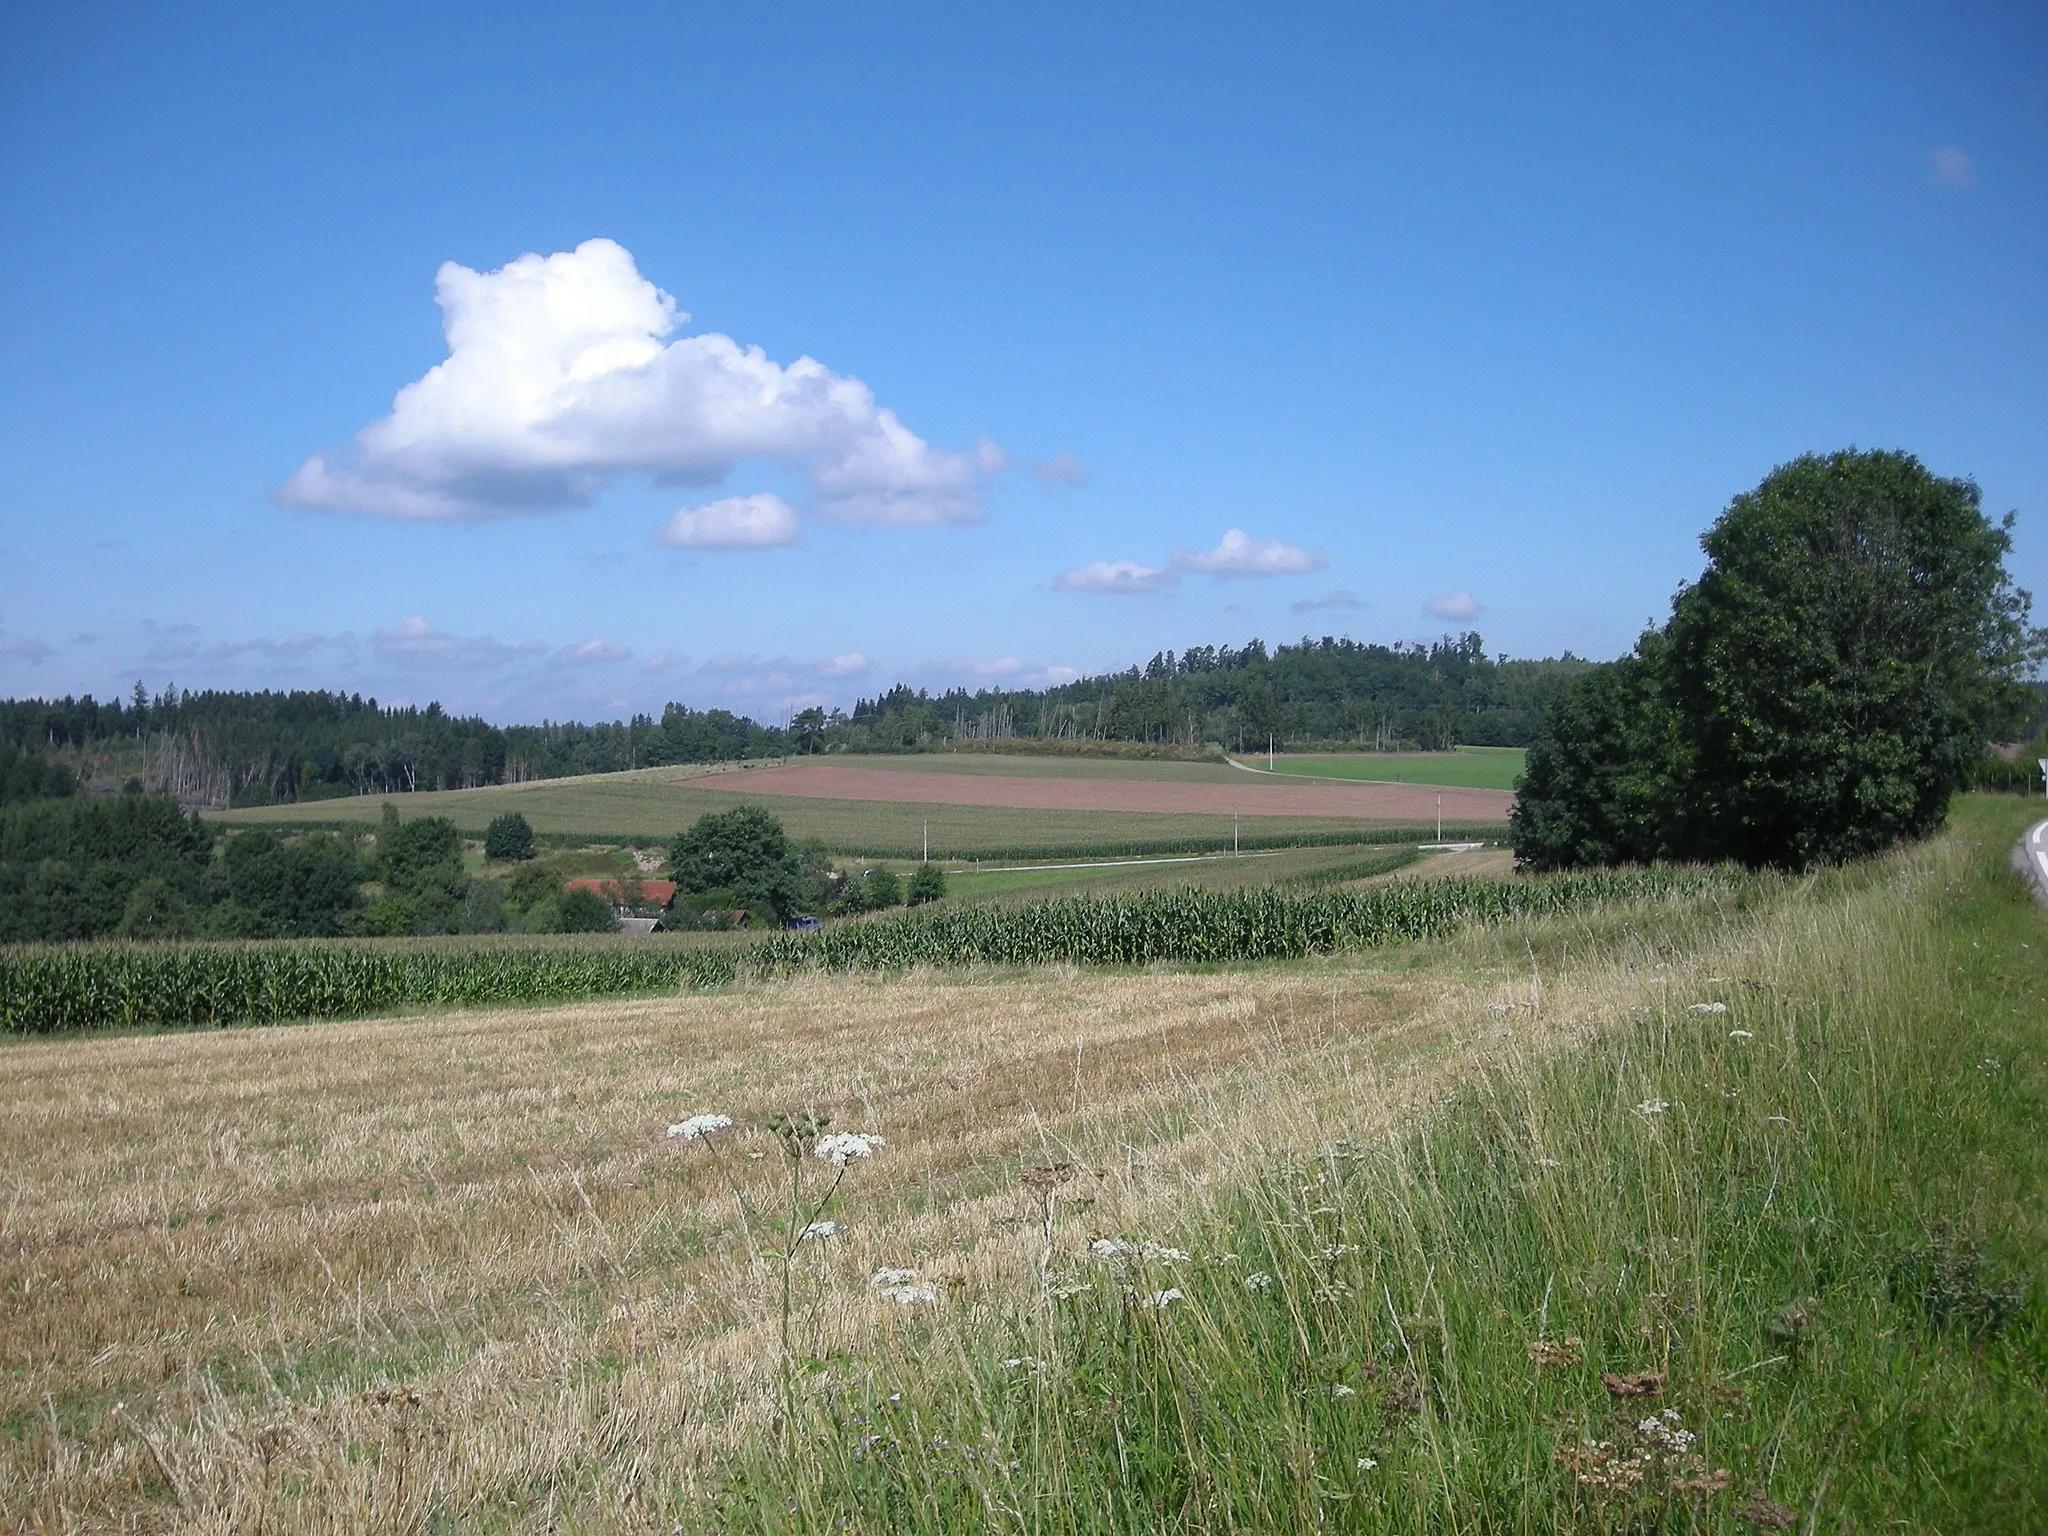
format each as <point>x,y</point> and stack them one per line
<point>120,986</point>
<point>1766,1256</point>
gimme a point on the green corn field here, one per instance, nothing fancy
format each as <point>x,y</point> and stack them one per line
<point>74,988</point>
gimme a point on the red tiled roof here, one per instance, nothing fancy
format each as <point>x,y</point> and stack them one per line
<point>660,892</point>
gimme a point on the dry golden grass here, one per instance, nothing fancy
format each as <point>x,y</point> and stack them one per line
<point>448,1269</point>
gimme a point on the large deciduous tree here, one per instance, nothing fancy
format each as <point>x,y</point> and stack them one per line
<point>1817,694</point>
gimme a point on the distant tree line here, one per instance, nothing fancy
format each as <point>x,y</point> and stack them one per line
<point>1335,691</point>
<point>217,748</point>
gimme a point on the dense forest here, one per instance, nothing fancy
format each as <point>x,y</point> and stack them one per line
<point>213,748</point>
<point>1326,691</point>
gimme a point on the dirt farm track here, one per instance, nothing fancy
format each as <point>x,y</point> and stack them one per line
<point>1257,795</point>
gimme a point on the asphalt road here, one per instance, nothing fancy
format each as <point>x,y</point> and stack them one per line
<point>2032,858</point>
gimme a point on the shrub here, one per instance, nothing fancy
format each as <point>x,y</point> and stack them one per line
<point>581,911</point>
<point>927,883</point>
<point>509,838</point>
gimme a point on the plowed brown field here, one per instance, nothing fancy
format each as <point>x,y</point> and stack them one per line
<point>1256,796</point>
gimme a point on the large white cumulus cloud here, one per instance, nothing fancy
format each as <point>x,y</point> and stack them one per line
<point>558,379</point>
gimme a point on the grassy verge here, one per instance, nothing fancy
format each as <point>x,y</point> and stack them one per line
<point>1766,1257</point>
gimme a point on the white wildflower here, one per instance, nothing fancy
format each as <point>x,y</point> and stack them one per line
<point>1340,1390</point>
<point>909,1295</point>
<point>1653,1429</point>
<point>1257,1280</point>
<point>697,1127</point>
<point>1740,1034</point>
<point>1339,1251</point>
<point>843,1147</point>
<point>1653,1106</point>
<point>1366,1463</point>
<point>884,1278</point>
<point>1159,1301</point>
<point>818,1230</point>
<point>1107,1248</point>
<point>1709,1008</point>
<point>1548,1162</point>
<point>1682,1440</point>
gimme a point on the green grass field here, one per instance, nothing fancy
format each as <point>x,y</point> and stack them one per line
<point>655,804</point>
<point>1768,1252</point>
<point>1465,768</point>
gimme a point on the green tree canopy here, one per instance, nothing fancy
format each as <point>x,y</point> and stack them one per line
<point>509,837</point>
<point>1817,694</point>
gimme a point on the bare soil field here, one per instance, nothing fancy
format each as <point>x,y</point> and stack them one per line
<point>1251,796</point>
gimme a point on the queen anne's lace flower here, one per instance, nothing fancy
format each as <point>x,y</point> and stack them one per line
<point>1709,1007</point>
<point>1740,1034</point>
<point>909,1295</point>
<point>1653,1106</point>
<point>1159,1301</point>
<point>822,1229</point>
<point>697,1127</point>
<point>843,1147</point>
<point>1107,1248</point>
<point>1257,1280</point>
<point>882,1279</point>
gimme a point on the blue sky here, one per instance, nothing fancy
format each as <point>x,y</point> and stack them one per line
<point>1459,317</point>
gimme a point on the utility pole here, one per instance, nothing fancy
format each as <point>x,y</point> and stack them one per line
<point>1233,831</point>
<point>1439,815</point>
<point>1269,752</point>
<point>927,842</point>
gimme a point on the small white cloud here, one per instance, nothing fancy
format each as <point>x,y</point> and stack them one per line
<point>1236,554</point>
<point>1343,598</point>
<point>591,652</point>
<point>559,379</point>
<point>1453,605</point>
<point>416,640</point>
<point>738,522</point>
<point>1952,168</point>
<point>1061,472</point>
<point>666,661</point>
<point>1115,576</point>
<point>989,459</point>
<point>852,664</point>
<point>21,648</point>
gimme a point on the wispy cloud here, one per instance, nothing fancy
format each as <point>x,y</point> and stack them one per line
<point>587,653</point>
<point>22,648</point>
<point>1342,599</point>
<point>765,521</point>
<point>1952,168</point>
<point>1061,472</point>
<point>559,379</point>
<point>1115,576</point>
<point>1453,605</point>
<point>416,641</point>
<point>1238,554</point>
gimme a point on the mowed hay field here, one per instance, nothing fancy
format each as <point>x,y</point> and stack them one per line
<point>886,806</point>
<point>448,1271</point>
